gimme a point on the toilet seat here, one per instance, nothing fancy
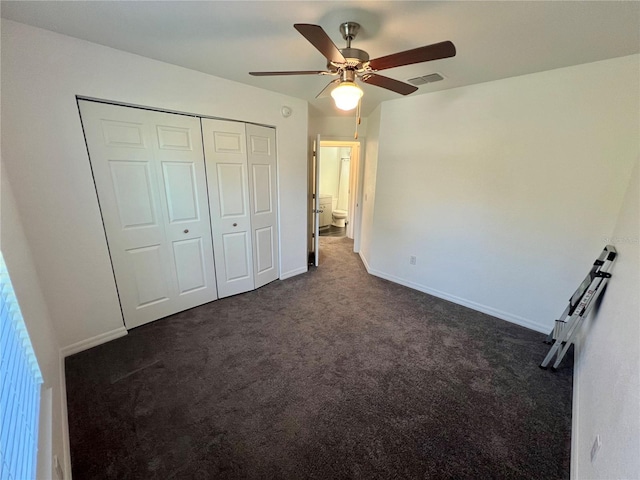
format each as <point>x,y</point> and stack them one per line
<point>339,214</point>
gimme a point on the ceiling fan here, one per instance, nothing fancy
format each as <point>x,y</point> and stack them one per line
<point>350,63</point>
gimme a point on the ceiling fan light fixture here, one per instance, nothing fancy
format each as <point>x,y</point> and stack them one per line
<point>351,63</point>
<point>347,95</point>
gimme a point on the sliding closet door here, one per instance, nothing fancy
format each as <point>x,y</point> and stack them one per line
<point>149,173</point>
<point>227,182</point>
<point>261,150</point>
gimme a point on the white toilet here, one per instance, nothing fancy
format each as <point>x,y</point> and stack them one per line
<point>339,218</point>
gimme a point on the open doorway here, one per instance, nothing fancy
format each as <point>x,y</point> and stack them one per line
<point>336,191</point>
<point>335,172</point>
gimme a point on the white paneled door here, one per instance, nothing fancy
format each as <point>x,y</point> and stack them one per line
<point>241,178</point>
<point>149,172</point>
<point>227,181</point>
<point>261,157</point>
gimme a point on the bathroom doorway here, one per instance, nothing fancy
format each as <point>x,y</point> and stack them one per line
<point>334,171</point>
<point>337,189</point>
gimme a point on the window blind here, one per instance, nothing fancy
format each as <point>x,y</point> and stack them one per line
<point>20,395</point>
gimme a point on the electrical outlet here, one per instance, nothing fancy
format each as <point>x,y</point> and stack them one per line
<point>412,260</point>
<point>595,447</point>
<point>58,468</point>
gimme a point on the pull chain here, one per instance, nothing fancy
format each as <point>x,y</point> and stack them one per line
<point>355,136</point>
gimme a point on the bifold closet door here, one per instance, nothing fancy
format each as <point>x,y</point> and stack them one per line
<point>261,158</point>
<point>241,179</point>
<point>150,177</point>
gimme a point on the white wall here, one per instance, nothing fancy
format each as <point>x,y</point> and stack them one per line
<point>607,362</point>
<point>329,171</point>
<point>369,186</point>
<point>505,191</point>
<point>39,325</point>
<point>330,167</point>
<point>46,158</point>
<point>337,128</point>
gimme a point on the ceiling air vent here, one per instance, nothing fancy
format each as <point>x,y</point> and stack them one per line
<point>433,77</point>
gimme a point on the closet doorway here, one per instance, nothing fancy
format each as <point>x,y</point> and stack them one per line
<point>189,206</point>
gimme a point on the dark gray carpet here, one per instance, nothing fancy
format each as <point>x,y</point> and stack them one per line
<point>333,374</point>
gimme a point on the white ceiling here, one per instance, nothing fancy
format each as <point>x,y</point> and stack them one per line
<point>228,39</point>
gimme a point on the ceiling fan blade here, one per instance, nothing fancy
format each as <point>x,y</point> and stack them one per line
<point>319,39</point>
<point>417,55</point>
<point>299,72</point>
<point>324,92</point>
<point>389,83</point>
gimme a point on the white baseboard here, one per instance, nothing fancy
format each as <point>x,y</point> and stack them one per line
<point>66,446</point>
<point>45,434</point>
<point>523,322</point>
<point>366,264</point>
<point>93,342</point>
<point>575,414</point>
<point>293,273</point>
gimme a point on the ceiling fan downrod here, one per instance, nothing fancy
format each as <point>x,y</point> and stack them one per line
<point>349,30</point>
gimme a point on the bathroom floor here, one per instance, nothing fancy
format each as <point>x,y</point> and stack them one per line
<point>332,231</point>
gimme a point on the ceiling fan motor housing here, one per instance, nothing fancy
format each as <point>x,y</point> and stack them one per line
<point>356,59</point>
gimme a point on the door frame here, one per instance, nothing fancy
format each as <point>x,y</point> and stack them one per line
<point>355,187</point>
<point>199,117</point>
